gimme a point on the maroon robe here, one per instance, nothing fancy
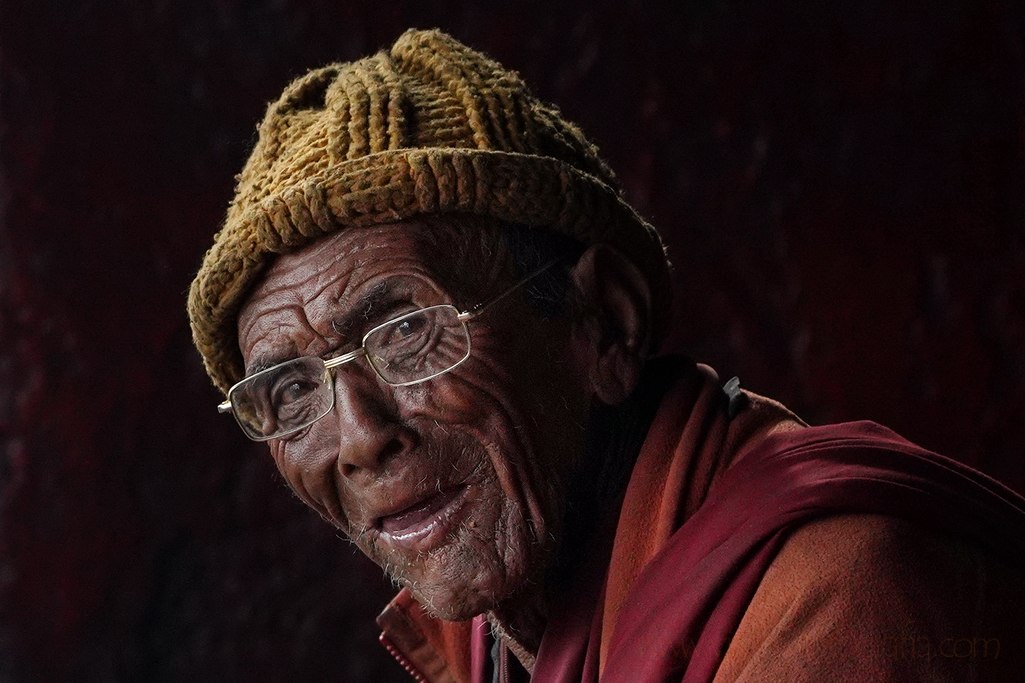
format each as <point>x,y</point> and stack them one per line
<point>710,503</point>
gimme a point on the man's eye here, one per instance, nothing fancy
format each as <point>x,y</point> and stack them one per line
<point>407,333</point>
<point>298,390</point>
<point>411,326</point>
<point>293,391</point>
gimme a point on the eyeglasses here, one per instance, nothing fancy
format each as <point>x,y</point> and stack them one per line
<point>409,349</point>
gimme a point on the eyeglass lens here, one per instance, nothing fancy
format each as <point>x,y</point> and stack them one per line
<point>410,349</point>
<point>283,399</point>
<point>418,346</point>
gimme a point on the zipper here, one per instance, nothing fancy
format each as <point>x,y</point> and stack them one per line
<point>401,659</point>
<point>503,663</point>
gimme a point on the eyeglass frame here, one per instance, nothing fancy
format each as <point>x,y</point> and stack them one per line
<point>463,317</point>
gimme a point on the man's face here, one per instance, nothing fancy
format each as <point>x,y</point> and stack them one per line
<point>454,486</point>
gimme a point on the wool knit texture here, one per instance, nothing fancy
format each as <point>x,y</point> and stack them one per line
<point>428,126</point>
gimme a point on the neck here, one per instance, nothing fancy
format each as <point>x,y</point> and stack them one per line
<point>521,631</point>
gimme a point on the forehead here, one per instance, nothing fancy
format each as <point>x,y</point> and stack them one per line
<point>304,292</point>
<point>380,247</point>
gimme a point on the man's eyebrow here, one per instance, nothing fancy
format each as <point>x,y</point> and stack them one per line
<point>266,363</point>
<point>366,308</point>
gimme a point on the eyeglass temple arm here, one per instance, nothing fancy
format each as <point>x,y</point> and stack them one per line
<point>477,310</point>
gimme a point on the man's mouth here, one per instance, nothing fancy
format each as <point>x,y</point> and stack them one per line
<point>423,522</point>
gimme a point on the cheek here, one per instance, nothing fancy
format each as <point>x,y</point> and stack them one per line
<point>309,474</point>
<point>477,396</point>
<point>482,412</point>
<point>483,408</point>
<point>456,398</point>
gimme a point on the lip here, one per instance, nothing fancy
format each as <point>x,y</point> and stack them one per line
<point>424,522</point>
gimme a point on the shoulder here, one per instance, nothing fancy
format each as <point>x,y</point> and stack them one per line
<point>853,549</point>
<point>855,595</point>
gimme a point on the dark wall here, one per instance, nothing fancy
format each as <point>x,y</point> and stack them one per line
<point>841,186</point>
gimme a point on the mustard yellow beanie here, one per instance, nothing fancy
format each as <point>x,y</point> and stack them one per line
<point>426,127</point>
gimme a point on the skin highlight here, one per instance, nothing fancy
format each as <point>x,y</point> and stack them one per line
<point>495,439</point>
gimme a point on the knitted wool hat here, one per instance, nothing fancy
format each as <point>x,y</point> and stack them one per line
<point>427,127</point>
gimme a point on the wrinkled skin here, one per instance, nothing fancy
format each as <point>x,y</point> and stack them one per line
<point>499,433</point>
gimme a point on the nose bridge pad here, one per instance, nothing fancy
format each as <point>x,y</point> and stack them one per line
<point>365,419</point>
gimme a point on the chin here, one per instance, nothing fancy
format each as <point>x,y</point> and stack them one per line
<point>450,604</point>
<point>474,573</point>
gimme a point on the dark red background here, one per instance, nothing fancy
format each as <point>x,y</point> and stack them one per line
<point>841,185</point>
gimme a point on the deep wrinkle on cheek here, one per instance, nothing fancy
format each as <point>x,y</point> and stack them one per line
<point>494,424</point>
<point>533,467</point>
<point>297,462</point>
<point>292,476</point>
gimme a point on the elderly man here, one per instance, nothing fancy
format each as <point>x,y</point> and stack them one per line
<point>431,301</point>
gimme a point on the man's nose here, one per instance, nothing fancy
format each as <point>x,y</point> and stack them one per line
<point>370,433</point>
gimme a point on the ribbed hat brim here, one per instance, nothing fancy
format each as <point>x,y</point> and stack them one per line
<point>394,185</point>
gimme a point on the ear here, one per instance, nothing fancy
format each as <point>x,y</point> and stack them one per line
<point>614,332</point>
